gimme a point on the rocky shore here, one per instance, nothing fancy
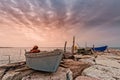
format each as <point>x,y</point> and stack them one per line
<point>100,66</point>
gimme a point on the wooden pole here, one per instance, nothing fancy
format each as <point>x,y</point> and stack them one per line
<point>25,51</point>
<point>9,59</point>
<point>73,44</point>
<point>65,46</point>
<point>93,47</point>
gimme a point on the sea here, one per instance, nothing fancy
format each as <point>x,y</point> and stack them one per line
<point>17,54</point>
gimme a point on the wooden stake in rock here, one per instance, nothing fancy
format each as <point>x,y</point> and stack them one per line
<point>65,46</point>
<point>73,46</point>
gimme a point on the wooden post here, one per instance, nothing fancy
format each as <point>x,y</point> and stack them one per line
<point>65,46</point>
<point>20,55</point>
<point>93,47</point>
<point>25,51</point>
<point>93,51</point>
<point>9,59</point>
<point>73,44</point>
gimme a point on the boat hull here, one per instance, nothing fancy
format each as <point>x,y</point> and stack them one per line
<point>100,49</point>
<point>44,62</point>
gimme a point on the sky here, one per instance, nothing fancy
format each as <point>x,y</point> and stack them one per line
<point>49,23</point>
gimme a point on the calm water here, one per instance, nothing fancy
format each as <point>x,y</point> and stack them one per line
<point>115,47</point>
<point>17,54</point>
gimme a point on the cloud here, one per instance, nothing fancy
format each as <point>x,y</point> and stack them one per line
<point>60,12</point>
<point>58,20</point>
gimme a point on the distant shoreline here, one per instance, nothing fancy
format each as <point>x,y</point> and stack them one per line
<point>56,47</point>
<point>6,47</point>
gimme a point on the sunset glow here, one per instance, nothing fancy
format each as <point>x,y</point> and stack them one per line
<point>49,23</point>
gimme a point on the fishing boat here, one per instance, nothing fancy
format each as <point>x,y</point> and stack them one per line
<point>44,61</point>
<point>84,51</point>
<point>100,49</point>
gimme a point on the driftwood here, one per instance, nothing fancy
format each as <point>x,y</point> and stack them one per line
<point>13,65</point>
<point>75,66</point>
<point>14,71</point>
<point>23,69</point>
<point>2,73</point>
<point>12,75</point>
<point>62,65</point>
<point>4,69</point>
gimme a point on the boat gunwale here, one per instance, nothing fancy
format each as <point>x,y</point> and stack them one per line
<point>36,55</point>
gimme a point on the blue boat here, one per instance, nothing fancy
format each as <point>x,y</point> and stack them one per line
<point>44,61</point>
<point>100,49</point>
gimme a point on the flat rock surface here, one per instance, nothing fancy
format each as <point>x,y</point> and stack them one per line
<point>88,60</point>
<point>86,78</point>
<point>111,61</point>
<point>82,57</point>
<point>102,72</point>
<point>61,74</point>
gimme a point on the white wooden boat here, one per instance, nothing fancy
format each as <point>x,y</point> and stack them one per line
<point>44,61</point>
